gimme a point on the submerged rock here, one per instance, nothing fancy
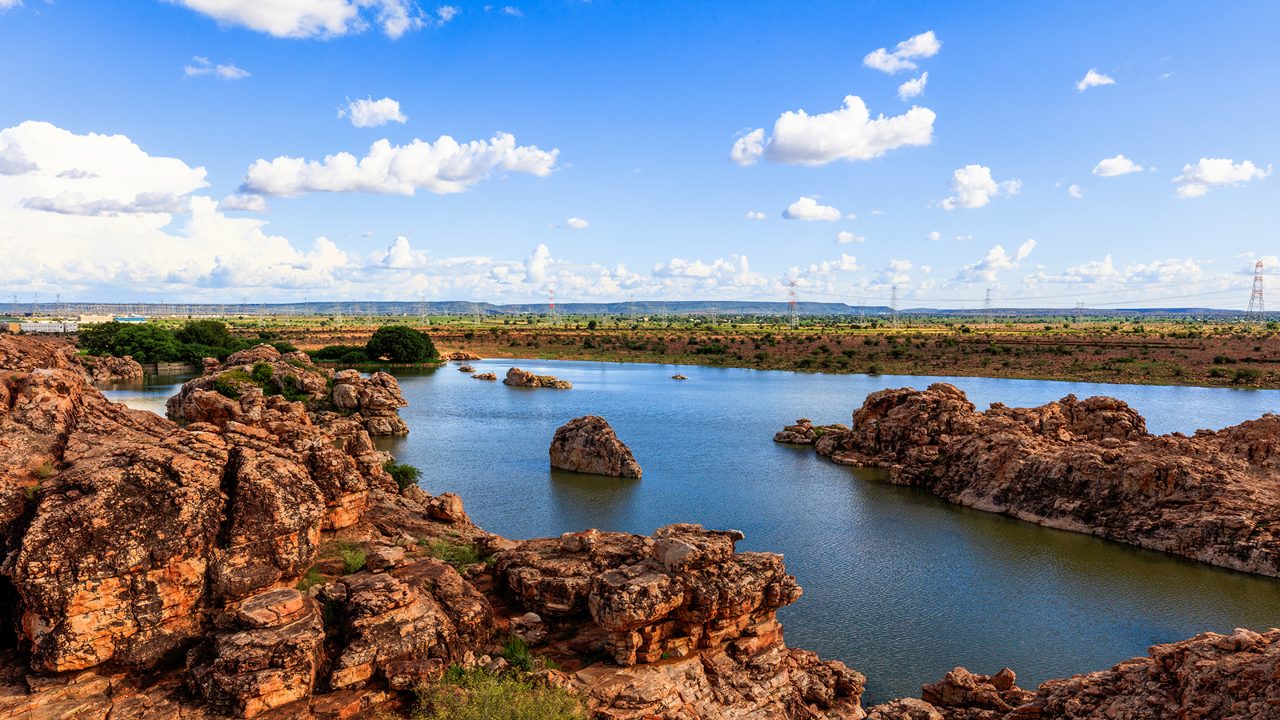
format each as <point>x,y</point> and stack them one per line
<point>589,445</point>
<point>485,376</point>
<point>678,376</point>
<point>1084,465</point>
<point>523,378</point>
<point>466,369</point>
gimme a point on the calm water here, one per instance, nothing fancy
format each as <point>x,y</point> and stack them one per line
<point>897,583</point>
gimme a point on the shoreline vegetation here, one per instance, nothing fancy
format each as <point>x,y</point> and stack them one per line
<point>1186,353</point>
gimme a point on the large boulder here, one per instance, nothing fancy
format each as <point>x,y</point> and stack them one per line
<point>523,378</point>
<point>589,445</point>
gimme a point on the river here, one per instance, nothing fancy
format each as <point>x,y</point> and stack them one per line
<point>898,584</point>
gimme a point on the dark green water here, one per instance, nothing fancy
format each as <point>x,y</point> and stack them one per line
<point>898,584</point>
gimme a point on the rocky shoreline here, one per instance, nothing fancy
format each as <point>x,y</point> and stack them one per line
<point>1083,465</point>
<point>260,561</point>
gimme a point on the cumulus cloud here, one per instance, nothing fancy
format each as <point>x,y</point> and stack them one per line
<point>576,223</point>
<point>904,54</point>
<point>1196,180</point>
<point>13,161</point>
<point>913,88</point>
<point>444,166</point>
<point>807,208</point>
<point>77,203</point>
<point>1075,191</point>
<point>1103,274</point>
<point>733,273</point>
<point>973,187</point>
<point>321,18</point>
<point>748,149</point>
<point>997,259</point>
<point>248,203</point>
<point>844,237</point>
<point>756,215</point>
<point>372,113</point>
<point>1115,166</point>
<point>848,133</point>
<point>934,235</point>
<point>1093,78</point>
<point>6,4</point>
<point>201,66</point>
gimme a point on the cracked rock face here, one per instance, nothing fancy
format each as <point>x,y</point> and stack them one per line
<point>374,402</point>
<point>589,445</point>
<point>1084,465</point>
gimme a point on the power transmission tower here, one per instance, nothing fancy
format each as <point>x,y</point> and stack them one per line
<point>1079,310</point>
<point>893,304</point>
<point>1256,310</point>
<point>793,304</point>
<point>551,304</point>
<point>986,306</point>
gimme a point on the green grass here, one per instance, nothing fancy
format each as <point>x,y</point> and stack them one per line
<point>353,557</point>
<point>46,470</point>
<point>459,555</point>
<point>480,695</point>
<point>404,474</point>
<point>310,580</point>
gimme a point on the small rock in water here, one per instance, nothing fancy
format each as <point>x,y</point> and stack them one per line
<point>589,445</point>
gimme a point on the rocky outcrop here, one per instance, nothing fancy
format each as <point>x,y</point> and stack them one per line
<point>466,369</point>
<point>462,356</point>
<point>523,378</point>
<point>1209,677</point>
<point>1083,465</point>
<point>678,376</point>
<point>372,401</point>
<point>589,445</point>
<point>804,432</point>
<point>689,623</point>
<point>485,376</point>
<point>112,369</point>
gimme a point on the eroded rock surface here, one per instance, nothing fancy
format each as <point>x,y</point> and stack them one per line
<point>109,369</point>
<point>373,402</point>
<point>689,623</point>
<point>1083,465</point>
<point>589,445</point>
<point>523,378</point>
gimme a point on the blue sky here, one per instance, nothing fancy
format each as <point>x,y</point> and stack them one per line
<point>627,114</point>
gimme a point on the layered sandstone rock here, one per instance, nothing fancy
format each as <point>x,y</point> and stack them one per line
<point>1083,465</point>
<point>373,402</point>
<point>689,622</point>
<point>110,369</point>
<point>523,378</point>
<point>589,445</point>
<point>462,355</point>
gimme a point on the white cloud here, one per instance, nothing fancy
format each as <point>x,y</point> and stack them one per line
<point>322,18</point>
<point>807,208</point>
<point>1115,166</point>
<point>974,187</point>
<point>512,10</point>
<point>846,134</point>
<point>1075,191</point>
<point>248,203</point>
<point>732,274</point>
<point>1093,78</point>
<point>844,237</point>
<point>756,215</point>
<point>988,268</point>
<point>1102,275</point>
<point>372,113</point>
<point>77,203</point>
<point>13,161</point>
<point>934,235</point>
<point>748,149</point>
<point>1196,180</point>
<point>201,66</point>
<point>444,166</point>
<point>7,4</point>
<point>904,53</point>
<point>576,223</point>
<point>913,88</point>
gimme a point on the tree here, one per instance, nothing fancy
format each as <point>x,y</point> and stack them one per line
<point>213,333</point>
<point>401,344</point>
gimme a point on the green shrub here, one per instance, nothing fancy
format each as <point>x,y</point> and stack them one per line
<point>404,474</point>
<point>284,346</point>
<point>400,344</point>
<point>230,384</point>
<point>874,369</point>
<point>291,388</point>
<point>353,557</point>
<point>334,352</point>
<point>1246,375</point>
<point>46,470</point>
<point>516,652</point>
<point>480,695</point>
<point>262,373</point>
<point>355,356</point>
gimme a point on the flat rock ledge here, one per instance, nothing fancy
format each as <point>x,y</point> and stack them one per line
<point>589,445</point>
<point>1082,465</point>
<point>523,378</point>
